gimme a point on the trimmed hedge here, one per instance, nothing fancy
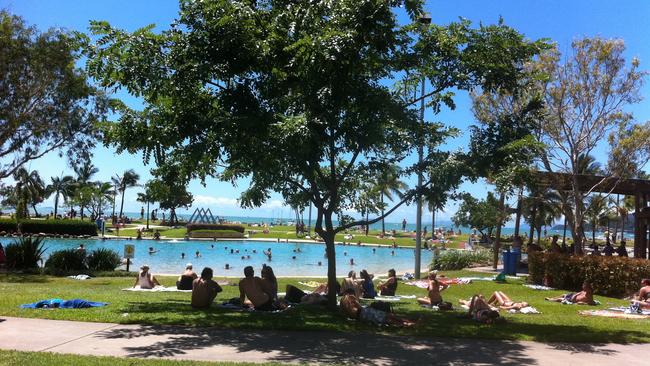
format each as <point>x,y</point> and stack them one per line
<point>234,227</point>
<point>459,259</point>
<point>216,234</point>
<point>70,227</point>
<point>609,276</point>
<point>8,225</point>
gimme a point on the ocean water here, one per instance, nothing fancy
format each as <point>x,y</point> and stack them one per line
<point>168,260</point>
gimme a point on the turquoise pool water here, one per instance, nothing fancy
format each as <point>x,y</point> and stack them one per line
<point>167,258</point>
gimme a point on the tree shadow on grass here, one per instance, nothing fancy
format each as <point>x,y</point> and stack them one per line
<point>352,341</point>
<point>321,347</point>
<point>22,278</point>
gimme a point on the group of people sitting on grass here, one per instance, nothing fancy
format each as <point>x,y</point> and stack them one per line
<point>261,293</point>
<point>363,287</point>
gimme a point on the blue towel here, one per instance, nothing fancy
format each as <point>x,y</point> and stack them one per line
<point>63,304</point>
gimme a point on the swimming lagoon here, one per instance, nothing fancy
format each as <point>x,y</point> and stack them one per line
<point>168,258</point>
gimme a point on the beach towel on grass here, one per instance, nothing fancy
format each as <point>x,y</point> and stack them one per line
<point>567,302</point>
<point>63,304</point>
<point>390,298</point>
<point>445,281</point>
<point>155,289</point>
<point>526,310</point>
<point>80,277</point>
<point>538,287</point>
<point>628,310</point>
<point>310,284</point>
<point>612,314</point>
<point>233,307</point>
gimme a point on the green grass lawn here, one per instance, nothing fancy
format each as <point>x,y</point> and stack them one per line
<point>560,323</point>
<point>15,358</point>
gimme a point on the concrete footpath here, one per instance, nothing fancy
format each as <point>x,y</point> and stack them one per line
<point>211,344</point>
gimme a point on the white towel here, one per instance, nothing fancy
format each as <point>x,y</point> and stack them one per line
<point>155,289</point>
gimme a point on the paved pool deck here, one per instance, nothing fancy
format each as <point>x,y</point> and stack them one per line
<point>212,344</point>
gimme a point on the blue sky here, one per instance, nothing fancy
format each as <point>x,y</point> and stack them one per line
<point>560,21</point>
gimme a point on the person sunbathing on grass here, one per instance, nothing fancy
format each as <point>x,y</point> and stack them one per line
<point>584,297</point>
<point>643,296</point>
<point>480,310</point>
<point>352,308</point>
<point>504,302</point>
<point>433,297</point>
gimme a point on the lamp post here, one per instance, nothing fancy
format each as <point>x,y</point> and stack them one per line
<point>424,20</point>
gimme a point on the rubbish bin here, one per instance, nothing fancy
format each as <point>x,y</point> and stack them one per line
<point>507,262</point>
<point>514,263</point>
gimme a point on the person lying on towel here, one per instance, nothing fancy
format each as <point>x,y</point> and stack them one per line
<point>584,297</point>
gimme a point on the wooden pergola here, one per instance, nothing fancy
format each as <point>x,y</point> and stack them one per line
<point>639,188</point>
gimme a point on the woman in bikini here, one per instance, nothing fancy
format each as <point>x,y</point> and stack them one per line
<point>480,310</point>
<point>504,302</point>
<point>584,297</point>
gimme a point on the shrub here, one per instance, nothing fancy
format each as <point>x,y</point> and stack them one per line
<point>459,259</point>
<point>193,227</point>
<point>70,227</point>
<point>216,234</point>
<point>104,260</point>
<point>64,261</point>
<point>24,253</point>
<point>8,225</point>
<point>609,276</point>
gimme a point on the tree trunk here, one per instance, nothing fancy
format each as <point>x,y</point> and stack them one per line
<point>328,234</point>
<point>533,217</point>
<point>147,215</point>
<point>539,235</point>
<point>122,202</point>
<point>497,242</point>
<point>593,233</point>
<point>81,212</point>
<point>433,222</point>
<point>56,203</point>
<point>618,197</point>
<point>383,226</point>
<point>518,213</point>
<point>367,226</point>
<point>34,207</point>
<point>578,217</point>
<point>113,214</point>
<point>564,234</point>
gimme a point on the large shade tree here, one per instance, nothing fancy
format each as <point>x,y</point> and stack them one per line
<point>296,96</point>
<point>585,96</point>
<point>46,103</point>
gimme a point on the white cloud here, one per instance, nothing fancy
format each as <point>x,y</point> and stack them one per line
<point>272,204</point>
<point>214,201</point>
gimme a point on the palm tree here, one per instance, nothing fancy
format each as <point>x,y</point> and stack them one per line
<point>30,189</point>
<point>84,173</point>
<point>103,191</point>
<point>541,208</point>
<point>595,212</point>
<point>388,184</point>
<point>60,187</point>
<point>146,197</point>
<point>129,179</point>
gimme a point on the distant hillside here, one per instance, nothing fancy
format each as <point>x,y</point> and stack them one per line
<point>629,224</point>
